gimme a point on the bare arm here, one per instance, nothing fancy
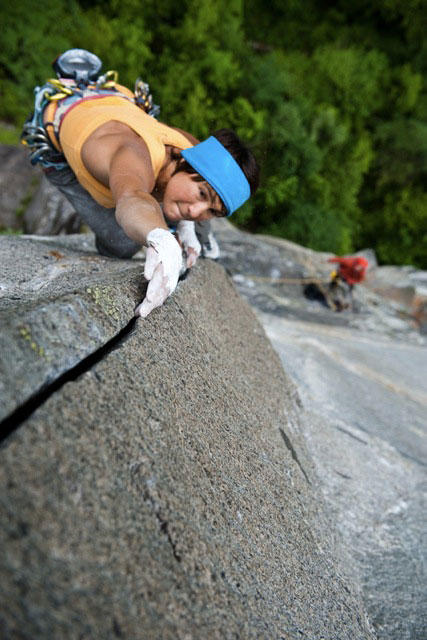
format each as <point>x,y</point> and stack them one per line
<point>138,214</point>
<point>118,158</point>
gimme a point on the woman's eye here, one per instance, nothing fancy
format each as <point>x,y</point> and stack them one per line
<point>202,193</point>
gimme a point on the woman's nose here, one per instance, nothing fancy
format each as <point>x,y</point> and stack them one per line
<point>196,209</point>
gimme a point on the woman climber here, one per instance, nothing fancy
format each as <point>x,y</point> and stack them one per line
<point>133,180</point>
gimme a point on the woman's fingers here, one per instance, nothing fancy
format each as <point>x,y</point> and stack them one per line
<point>162,267</point>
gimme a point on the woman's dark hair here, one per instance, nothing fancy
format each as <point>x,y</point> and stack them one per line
<point>242,155</point>
<point>240,152</point>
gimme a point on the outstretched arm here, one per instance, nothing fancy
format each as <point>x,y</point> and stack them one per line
<point>120,159</point>
<point>131,181</point>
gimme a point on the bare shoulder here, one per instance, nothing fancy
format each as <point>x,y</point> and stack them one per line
<point>114,140</point>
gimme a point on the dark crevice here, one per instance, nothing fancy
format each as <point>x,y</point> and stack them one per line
<point>117,629</point>
<point>164,525</point>
<point>405,454</point>
<point>288,443</point>
<point>422,463</point>
<point>23,412</point>
<point>343,475</point>
<point>164,528</point>
<point>348,433</point>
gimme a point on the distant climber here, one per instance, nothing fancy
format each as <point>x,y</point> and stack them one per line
<point>337,293</point>
<point>133,180</point>
<point>352,269</point>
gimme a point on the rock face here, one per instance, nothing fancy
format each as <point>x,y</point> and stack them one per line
<point>18,182</point>
<point>58,304</point>
<point>28,202</point>
<point>361,379</point>
<point>49,213</point>
<point>167,491</point>
<point>406,287</point>
<point>272,272</point>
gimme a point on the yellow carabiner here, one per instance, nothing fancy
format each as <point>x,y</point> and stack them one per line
<point>61,88</point>
<point>56,96</point>
<point>111,77</point>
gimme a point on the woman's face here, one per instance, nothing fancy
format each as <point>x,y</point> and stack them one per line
<point>186,199</point>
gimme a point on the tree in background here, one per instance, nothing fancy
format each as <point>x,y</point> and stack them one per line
<point>30,40</point>
<point>332,100</point>
<point>347,103</point>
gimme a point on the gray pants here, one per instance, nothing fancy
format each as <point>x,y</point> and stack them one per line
<point>110,238</point>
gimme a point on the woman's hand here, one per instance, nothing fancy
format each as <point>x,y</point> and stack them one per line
<point>162,266</point>
<point>187,238</point>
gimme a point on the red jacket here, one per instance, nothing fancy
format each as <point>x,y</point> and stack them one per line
<point>352,269</point>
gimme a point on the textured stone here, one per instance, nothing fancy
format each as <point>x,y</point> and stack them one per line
<point>364,420</point>
<point>49,213</point>
<point>28,202</point>
<point>168,493</point>
<point>59,302</point>
<point>361,381</point>
<point>18,183</point>
<point>406,288</point>
<point>271,274</point>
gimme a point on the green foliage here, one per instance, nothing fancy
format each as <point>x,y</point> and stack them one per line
<point>8,231</point>
<point>403,227</point>
<point>30,39</point>
<point>349,80</point>
<point>201,50</point>
<point>9,134</point>
<point>331,98</point>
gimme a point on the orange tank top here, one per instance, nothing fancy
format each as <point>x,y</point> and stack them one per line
<point>87,115</point>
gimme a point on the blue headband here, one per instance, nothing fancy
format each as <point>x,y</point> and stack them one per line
<point>218,167</point>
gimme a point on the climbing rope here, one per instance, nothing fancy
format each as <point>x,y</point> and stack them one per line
<point>307,263</point>
<point>284,280</point>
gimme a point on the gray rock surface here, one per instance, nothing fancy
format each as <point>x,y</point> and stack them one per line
<point>167,492</point>
<point>28,202</point>
<point>361,379</point>
<point>406,288</point>
<point>18,183</point>
<point>59,302</point>
<point>366,430</point>
<point>49,213</point>
<point>272,272</point>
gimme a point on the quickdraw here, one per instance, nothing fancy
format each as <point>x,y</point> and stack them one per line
<point>144,99</point>
<point>34,134</point>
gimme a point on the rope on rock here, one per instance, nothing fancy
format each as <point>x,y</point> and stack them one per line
<point>283,280</point>
<point>306,280</point>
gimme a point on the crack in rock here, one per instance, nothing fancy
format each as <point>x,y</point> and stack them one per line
<point>164,524</point>
<point>288,443</point>
<point>25,410</point>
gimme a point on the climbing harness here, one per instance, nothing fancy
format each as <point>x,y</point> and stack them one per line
<point>78,78</point>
